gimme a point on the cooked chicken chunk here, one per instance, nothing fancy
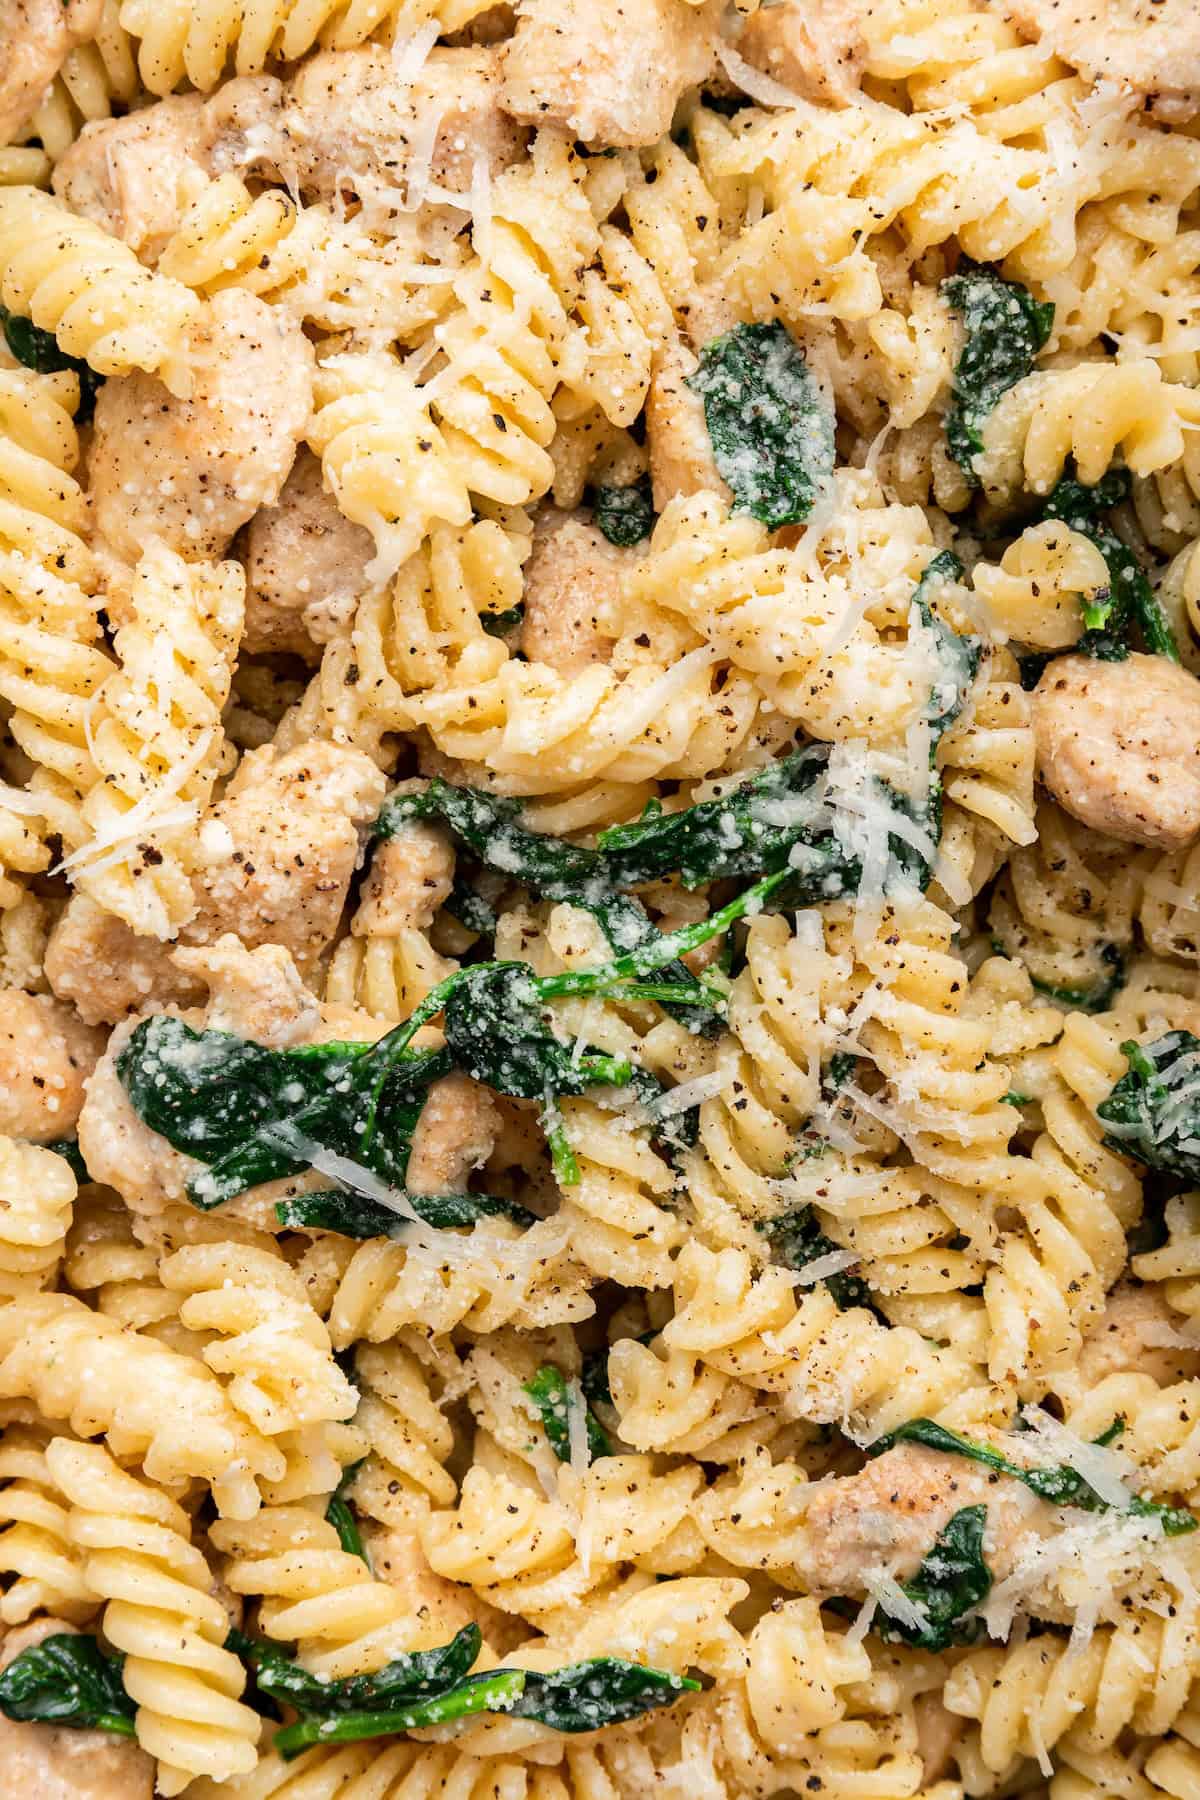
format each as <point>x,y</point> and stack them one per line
<point>346,123</point>
<point>609,71</point>
<point>46,1055</point>
<point>241,125</point>
<point>1150,45</point>
<point>410,876</point>
<point>191,472</point>
<point>572,593</point>
<point>1118,745</point>
<point>277,854</point>
<point>304,567</point>
<point>253,993</point>
<point>887,1517</point>
<point>35,37</point>
<point>1136,1331</point>
<point>455,1133</point>
<point>681,458</point>
<point>136,176</point>
<point>813,47</point>
<point>97,964</point>
<point>48,1762</point>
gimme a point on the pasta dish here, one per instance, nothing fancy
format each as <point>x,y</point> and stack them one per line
<point>600,899</point>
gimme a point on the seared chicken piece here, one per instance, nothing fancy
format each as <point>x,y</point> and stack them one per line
<point>608,71</point>
<point>46,1055</point>
<point>1118,745</point>
<point>305,565</point>
<point>191,472</point>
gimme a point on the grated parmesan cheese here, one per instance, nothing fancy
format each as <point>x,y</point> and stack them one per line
<point>890,1597</point>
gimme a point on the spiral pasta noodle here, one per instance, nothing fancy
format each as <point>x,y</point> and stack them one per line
<point>1064,904</point>
<point>35,1542</point>
<point>97,78</point>
<point>314,1593</point>
<point>409,1436</point>
<point>43,513</point>
<point>162,1614</point>
<point>385,461</point>
<point>37,1195</point>
<point>70,277</point>
<point>1088,413</point>
<point>517,1545</point>
<point>495,1276</point>
<point>507,337</point>
<point>1028,1698</point>
<point>824,1364</point>
<point>269,1342</point>
<point>146,1399</point>
<point>404,399</point>
<point>157,741</point>
<point>805,643</point>
<point>177,44</point>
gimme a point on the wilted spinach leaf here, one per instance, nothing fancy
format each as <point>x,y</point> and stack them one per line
<point>356,1216</point>
<point>1153,1112</point>
<point>749,831</point>
<point>499,624</point>
<point>951,1580</point>
<point>495,1031</point>
<point>67,1680</point>
<point>552,868</point>
<point>408,1678</point>
<point>1093,999</point>
<point>604,1690</point>
<point>624,514</point>
<point>770,426</point>
<point>1005,330</point>
<point>797,1240</point>
<point>957,656</point>
<point>550,1394</point>
<point>430,1687</point>
<point>1129,596</point>
<point>340,1514</point>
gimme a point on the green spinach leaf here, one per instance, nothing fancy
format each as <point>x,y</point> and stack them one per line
<point>409,1678</point>
<point>958,657</point>
<point>624,514</point>
<point>952,1579</point>
<point>1006,328</point>
<point>797,1240</point>
<point>431,1687</point>
<point>604,1690</point>
<point>68,1679</point>
<point>499,624</point>
<point>769,424</point>
<point>38,350</point>
<point>249,1112</point>
<point>496,1691</point>
<point>1130,597</point>
<point>750,831</point>
<point>1153,1112</point>
<point>356,1216</point>
<point>495,1031</point>
<point>340,1514</point>
<point>550,1394</point>
<point>552,868</point>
